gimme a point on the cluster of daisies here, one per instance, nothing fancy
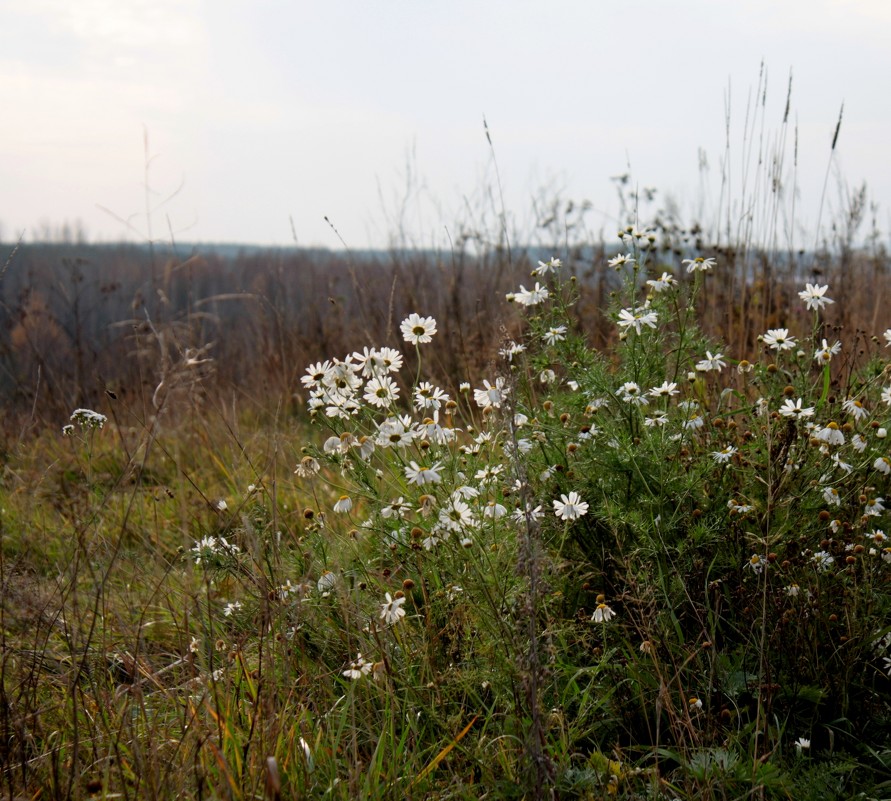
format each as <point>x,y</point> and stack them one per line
<point>853,442</point>
<point>435,498</point>
<point>429,492</point>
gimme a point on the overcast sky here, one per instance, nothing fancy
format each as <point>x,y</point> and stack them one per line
<point>370,112</point>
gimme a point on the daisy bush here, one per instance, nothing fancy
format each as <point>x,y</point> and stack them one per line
<point>656,569</point>
<point>663,565</point>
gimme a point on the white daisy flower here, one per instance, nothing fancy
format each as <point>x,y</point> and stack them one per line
<point>549,266</point>
<point>423,475</point>
<point>724,455</point>
<point>381,391</point>
<point>824,354</point>
<point>620,261</point>
<point>665,390</point>
<point>554,334</point>
<point>664,282</point>
<point>391,610</point>
<point>779,339</point>
<point>795,409</point>
<point>531,297</point>
<point>698,265</point>
<point>570,507</point>
<point>637,318</point>
<point>418,330</point>
<point>711,363</point>
<point>814,296</point>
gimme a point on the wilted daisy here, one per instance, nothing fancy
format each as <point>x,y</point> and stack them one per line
<point>695,703</point>
<point>570,507</point>
<point>802,743</point>
<point>883,465</point>
<point>327,581</point>
<point>855,408</point>
<point>391,610</point>
<point>637,318</point>
<point>796,410</point>
<point>494,510</point>
<point>656,420</point>
<point>779,339</point>
<point>814,296</point>
<point>341,444</point>
<point>756,564</point>
<point>830,434</point>
<point>602,614</point>
<point>418,330</point>
<point>874,507</point>
<point>822,560</point>
<point>831,495</point>
<point>344,504</point>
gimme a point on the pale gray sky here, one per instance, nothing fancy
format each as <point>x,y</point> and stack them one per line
<point>260,111</point>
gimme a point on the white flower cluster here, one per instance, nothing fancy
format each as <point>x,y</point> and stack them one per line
<point>210,548</point>
<point>87,419</point>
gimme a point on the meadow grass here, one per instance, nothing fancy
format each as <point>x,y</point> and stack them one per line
<point>644,571</point>
<point>455,525</point>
